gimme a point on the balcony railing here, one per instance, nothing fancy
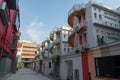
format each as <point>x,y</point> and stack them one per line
<point>76,7</point>
<point>70,32</point>
<point>85,46</point>
<point>57,41</point>
<point>77,28</point>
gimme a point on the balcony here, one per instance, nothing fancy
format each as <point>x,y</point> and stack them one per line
<point>81,47</point>
<point>17,22</point>
<point>75,8</point>
<point>106,25</point>
<point>78,49</point>
<point>57,41</point>
<point>75,11</point>
<point>85,46</point>
<point>4,14</point>
<point>14,42</point>
<point>12,4</point>
<point>81,28</point>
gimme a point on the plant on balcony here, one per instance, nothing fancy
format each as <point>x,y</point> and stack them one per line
<point>51,50</point>
<point>58,32</point>
<point>57,59</point>
<point>51,36</point>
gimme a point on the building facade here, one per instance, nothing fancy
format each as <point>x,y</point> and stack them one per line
<point>28,52</point>
<point>19,54</point>
<point>93,24</point>
<point>107,58</point>
<point>9,35</point>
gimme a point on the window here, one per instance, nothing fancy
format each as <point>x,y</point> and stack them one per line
<point>76,72</point>
<point>97,31</point>
<point>114,16</point>
<point>95,15</point>
<point>17,22</point>
<point>108,66</point>
<point>106,23</point>
<point>64,35</point>
<point>119,24</point>
<point>85,37</point>
<point>49,64</point>
<point>101,32</point>
<point>99,10</point>
<point>64,45</point>
<point>64,49</point>
<point>105,13</point>
<point>68,49</point>
<point>100,40</point>
<point>110,14</point>
<point>117,34</point>
<point>115,25</point>
<point>100,17</point>
<point>80,38</point>
<point>95,9</point>
<point>111,24</point>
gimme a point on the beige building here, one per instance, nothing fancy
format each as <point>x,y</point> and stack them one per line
<point>27,51</point>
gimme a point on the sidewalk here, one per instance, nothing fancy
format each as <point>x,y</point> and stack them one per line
<point>5,77</point>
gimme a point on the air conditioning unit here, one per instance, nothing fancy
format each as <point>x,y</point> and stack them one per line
<point>4,14</point>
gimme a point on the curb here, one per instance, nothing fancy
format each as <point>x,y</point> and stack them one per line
<point>6,76</point>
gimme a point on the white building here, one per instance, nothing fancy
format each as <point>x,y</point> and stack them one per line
<point>102,23</point>
<point>93,24</point>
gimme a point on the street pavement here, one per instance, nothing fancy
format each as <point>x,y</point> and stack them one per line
<point>27,74</point>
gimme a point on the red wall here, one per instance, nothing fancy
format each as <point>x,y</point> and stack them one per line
<point>88,65</point>
<point>6,34</point>
<point>85,65</point>
<point>91,64</point>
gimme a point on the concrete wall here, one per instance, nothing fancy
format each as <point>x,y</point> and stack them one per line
<point>5,66</point>
<point>115,49</point>
<point>112,49</point>
<point>77,65</point>
<point>45,67</point>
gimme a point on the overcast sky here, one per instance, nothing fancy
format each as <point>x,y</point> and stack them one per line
<point>39,17</point>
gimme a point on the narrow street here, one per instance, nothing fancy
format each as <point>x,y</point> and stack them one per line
<point>27,74</point>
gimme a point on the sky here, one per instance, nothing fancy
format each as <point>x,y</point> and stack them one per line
<point>39,17</point>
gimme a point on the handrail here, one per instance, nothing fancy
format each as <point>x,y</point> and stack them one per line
<point>76,7</point>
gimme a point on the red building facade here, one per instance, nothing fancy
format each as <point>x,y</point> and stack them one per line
<point>9,33</point>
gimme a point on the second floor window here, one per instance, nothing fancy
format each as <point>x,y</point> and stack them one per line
<point>49,64</point>
<point>100,17</point>
<point>64,35</point>
<point>68,49</point>
<point>95,15</point>
<point>64,49</point>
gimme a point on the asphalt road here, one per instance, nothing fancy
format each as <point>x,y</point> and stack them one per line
<point>27,74</point>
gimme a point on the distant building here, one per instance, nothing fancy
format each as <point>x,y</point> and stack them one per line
<point>19,54</point>
<point>93,25</point>
<point>28,51</point>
